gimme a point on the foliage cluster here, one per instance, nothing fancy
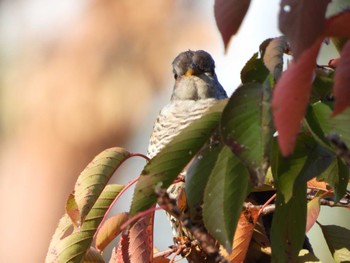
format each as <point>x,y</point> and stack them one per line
<point>281,135</point>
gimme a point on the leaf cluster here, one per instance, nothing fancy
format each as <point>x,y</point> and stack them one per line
<point>279,144</point>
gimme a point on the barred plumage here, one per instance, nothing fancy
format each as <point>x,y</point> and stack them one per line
<point>196,89</point>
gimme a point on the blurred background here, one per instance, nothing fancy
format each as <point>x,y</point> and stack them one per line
<point>77,77</point>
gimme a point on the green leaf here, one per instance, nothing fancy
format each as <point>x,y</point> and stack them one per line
<point>71,247</point>
<point>246,127</point>
<point>308,160</point>
<point>338,241</point>
<point>172,159</point>
<point>320,123</point>
<point>337,176</point>
<point>288,226</point>
<point>197,177</point>
<point>93,180</point>
<point>227,187</point>
<point>322,85</point>
<point>254,70</point>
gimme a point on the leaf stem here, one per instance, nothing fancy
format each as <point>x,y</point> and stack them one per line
<point>126,187</point>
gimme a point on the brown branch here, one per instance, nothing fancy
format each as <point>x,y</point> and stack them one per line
<point>207,242</point>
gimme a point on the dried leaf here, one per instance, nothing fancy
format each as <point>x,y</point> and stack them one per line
<point>110,229</point>
<point>319,185</point>
<point>229,15</point>
<point>243,235</point>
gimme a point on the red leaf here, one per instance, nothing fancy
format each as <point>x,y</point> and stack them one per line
<point>109,230</point>
<point>291,96</point>
<point>338,26</point>
<point>120,254</point>
<point>302,22</point>
<point>141,241</point>
<point>313,210</point>
<point>229,15</point>
<point>341,88</point>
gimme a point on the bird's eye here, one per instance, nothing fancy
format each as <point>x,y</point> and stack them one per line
<point>175,76</point>
<point>210,73</point>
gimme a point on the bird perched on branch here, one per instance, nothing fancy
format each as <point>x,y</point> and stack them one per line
<point>196,89</point>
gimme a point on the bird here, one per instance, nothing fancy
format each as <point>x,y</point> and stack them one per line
<point>196,89</point>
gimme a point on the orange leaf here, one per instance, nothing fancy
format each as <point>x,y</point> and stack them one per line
<point>243,235</point>
<point>291,96</point>
<point>141,240</point>
<point>314,184</point>
<point>229,15</point>
<point>110,229</point>
<point>341,89</point>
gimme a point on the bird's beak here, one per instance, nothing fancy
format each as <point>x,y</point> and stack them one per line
<point>192,70</point>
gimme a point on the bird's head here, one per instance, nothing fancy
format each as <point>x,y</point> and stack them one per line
<point>195,77</point>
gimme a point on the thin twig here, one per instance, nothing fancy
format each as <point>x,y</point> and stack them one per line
<point>139,215</point>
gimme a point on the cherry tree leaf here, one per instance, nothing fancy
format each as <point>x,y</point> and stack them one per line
<point>243,235</point>
<point>254,70</point>
<point>229,15</point>
<point>120,254</point>
<point>338,25</point>
<point>288,226</point>
<point>140,241</point>
<point>110,229</point>
<point>317,185</point>
<point>93,180</point>
<point>227,187</point>
<point>313,210</point>
<point>302,22</point>
<point>71,247</point>
<point>273,56</point>
<point>338,241</point>
<point>337,175</point>
<point>246,127</point>
<point>341,89</point>
<point>290,98</point>
<point>197,176</point>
